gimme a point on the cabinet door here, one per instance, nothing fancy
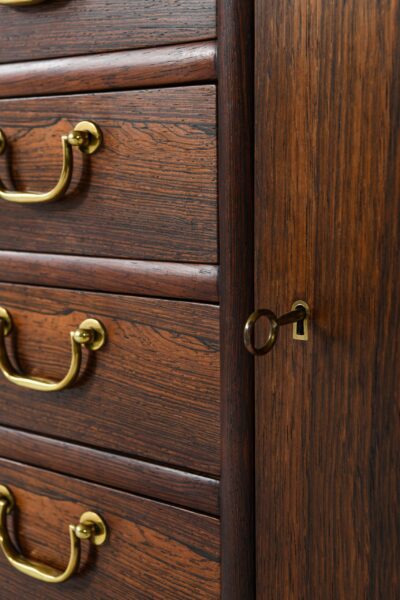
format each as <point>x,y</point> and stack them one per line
<point>327,232</point>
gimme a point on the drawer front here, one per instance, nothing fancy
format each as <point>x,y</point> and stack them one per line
<point>58,28</point>
<point>150,192</point>
<point>153,551</point>
<point>152,391</point>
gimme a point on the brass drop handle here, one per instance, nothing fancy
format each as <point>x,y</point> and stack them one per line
<point>300,313</point>
<point>21,2</point>
<point>86,136</point>
<point>91,527</point>
<point>91,334</point>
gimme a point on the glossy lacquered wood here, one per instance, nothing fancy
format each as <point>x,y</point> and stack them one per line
<point>149,193</point>
<point>151,392</point>
<point>114,470</point>
<point>68,28</point>
<point>327,231</point>
<point>143,278</point>
<point>148,67</point>
<point>154,550</point>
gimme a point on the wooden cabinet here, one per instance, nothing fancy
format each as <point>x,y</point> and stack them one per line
<point>151,236</point>
<point>247,158</point>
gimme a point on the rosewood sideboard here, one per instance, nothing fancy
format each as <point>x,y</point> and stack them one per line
<point>126,412</point>
<point>199,316</point>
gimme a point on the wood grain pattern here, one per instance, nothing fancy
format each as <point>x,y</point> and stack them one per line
<point>235,159</point>
<point>150,67</point>
<point>72,27</point>
<point>327,230</point>
<point>142,278</point>
<point>121,472</point>
<point>149,193</point>
<point>154,551</point>
<point>151,392</point>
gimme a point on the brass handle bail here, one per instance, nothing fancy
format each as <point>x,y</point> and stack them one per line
<point>91,527</point>
<point>86,136</point>
<point>91,334</point>
<point>300,313</point>
<point>21,2</point>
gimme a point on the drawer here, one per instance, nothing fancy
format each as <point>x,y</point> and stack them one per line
<point>59,28</point>
<point>153,551</point>
<point>150,192</point>
<point>152,391</point>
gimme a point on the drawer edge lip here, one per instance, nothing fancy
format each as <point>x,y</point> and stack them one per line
<point>152,481</point>
<point>178,281</point>
<point>127,69</point>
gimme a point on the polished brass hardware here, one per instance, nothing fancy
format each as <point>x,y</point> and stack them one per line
<point>86,136</point>
<point>300,313</point>
<point>91,527</point>
<point>21,2</point>
<point>91,334</point>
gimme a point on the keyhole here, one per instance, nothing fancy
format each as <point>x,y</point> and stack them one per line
<point>300,328</point>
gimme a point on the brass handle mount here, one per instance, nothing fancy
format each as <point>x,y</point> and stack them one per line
<point>300,313</point>
<point>90,334</point>
<point>86,136</point>
<point>91,527</point>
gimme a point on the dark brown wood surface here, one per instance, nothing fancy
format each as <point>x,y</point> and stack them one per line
<point>327,230</point>
<point>149,193</point>
<point>72,27</point>
<point>235,159</point>
<point>114,470</point>
<point>154,550</point>
<point>148,67</point>
<point>143,278</point>
<point>152,392</point>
